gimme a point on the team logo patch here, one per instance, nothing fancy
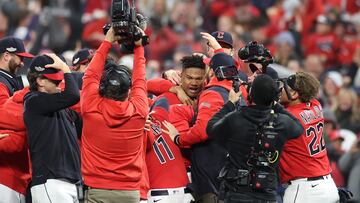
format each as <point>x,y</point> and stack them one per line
<point>156,127</point>
<point>220,35</point>
<point>38,68</point>
<point>76,60</point>
<point>205,104</point>
<point>11,49</point>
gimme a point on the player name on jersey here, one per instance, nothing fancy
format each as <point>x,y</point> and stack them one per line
<point>308,116</point>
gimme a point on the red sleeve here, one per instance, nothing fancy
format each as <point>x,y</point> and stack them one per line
<point>158,86</point>
<point>138,94</point>
<point>4,93</point>
<point>181,116</point>
<point>210,102</point>
<point>92,76</point>
<point>15,142</point>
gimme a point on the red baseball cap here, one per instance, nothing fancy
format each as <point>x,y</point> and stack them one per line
<point>14,45</point>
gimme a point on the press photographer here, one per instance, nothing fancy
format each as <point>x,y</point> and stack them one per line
<point>251,135</point>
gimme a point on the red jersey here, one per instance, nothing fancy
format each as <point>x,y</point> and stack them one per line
<point>158,86</point>
<point>210,102</point>
<point>305,156</point>
<point>163,157</point>
<point>4,93</point>
<point>14,167</point>
<point>112,139</point>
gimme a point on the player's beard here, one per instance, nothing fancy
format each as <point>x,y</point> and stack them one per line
<point>13,66</point>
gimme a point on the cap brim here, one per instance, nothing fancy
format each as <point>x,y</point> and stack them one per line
<point>224,42</point>
<point>55,76</point>
<point>24,54</point>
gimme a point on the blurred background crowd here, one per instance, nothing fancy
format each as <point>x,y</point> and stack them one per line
<point>318,36</point>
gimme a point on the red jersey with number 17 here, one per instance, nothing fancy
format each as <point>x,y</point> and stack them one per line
<point>305,156</point>
<point>164,160</point>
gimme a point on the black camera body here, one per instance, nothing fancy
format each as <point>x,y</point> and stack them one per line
<point>256,53</point>
<point>228,73</point>
<point>124,21</point>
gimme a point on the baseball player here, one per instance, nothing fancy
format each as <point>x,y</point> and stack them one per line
<point>81,59</point>
<point>164,160</point>
<point>12,53</point>
<point>14,170</point>
<point>304,165</point>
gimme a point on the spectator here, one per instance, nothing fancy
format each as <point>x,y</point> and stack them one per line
<point>349,164</point>
<point>332,84</point>
<point>285,45</point>
<point>347,110</point>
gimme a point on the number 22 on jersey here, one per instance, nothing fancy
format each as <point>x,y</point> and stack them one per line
<point>317,143</point>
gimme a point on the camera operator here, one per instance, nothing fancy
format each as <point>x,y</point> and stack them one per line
<point>253,136</point>
<point>114,107</point>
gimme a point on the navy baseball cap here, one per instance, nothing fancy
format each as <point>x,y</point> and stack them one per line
<point>263,90</point>
<point>223,38</point>
<point>221,59</point>
<point>38,64</point>
<point>82,56</point>
<point>13,45</point>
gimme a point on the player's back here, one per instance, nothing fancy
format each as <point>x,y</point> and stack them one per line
<point>306,156</point>
<point>164,160</point>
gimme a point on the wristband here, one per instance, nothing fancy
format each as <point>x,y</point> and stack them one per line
<point>177,140</point>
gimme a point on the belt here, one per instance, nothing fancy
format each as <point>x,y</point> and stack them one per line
<point>311,178</point>
<point>165,192</point>
<point>315,178</point>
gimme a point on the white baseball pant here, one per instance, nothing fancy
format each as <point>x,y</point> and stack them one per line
<point>10,195</point>
<point>170,195</point>
<point>54,191</point>
<point>306,191</point>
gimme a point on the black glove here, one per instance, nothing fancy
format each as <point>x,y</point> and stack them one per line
<point>344,194</point>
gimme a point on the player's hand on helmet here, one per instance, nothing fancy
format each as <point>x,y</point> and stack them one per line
<point>3,135</point>
<point>170,129</point>
<point>211,40</point>
<point>234,96</point>
<point>58,63</point>
<point>182,96</point>
<point>173,76</point>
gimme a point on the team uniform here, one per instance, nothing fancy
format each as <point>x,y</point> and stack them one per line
<point>166,167</point>
<point>14,169</point>
<point>53,146</point>
<point>304,164</point>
